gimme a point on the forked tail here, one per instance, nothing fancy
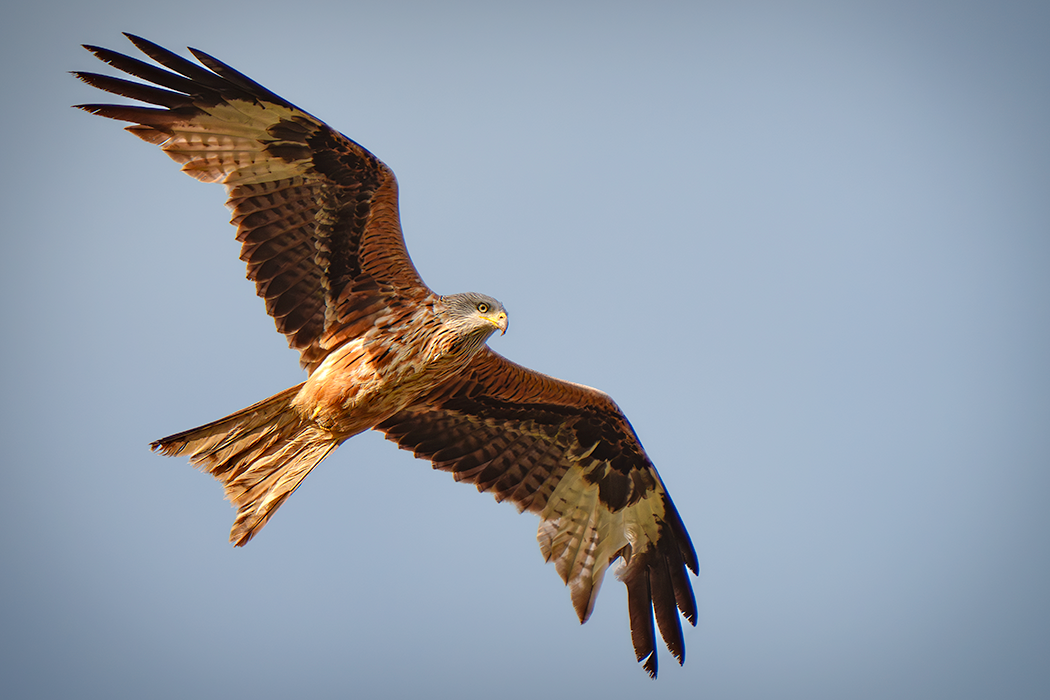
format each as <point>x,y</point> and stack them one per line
<point>261,454</point>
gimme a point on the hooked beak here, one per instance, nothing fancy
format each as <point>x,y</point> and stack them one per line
<point>500,321</point>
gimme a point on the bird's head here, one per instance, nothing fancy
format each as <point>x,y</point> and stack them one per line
<point>474,317</point>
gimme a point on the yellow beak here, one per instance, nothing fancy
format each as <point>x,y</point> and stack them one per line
<point>499,321</point>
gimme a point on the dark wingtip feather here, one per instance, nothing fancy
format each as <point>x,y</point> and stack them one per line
<point>680,535</point>
<point>237,78</point>
<point>149,72</point>
<point>146,46</point>
<point>665,606</point>
<point>92,108</point>
<point>103,54</point>
<point>683,592</point>
<point>640,611</point>
<point>182,66</point>
<point>650,665</point>
<point>133,90</point>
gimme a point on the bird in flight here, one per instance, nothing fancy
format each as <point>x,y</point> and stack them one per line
<point>317,218</point>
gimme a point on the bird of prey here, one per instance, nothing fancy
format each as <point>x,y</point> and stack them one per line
<point>317,217</point>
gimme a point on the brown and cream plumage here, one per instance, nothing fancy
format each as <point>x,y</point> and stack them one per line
<point>317,217</point>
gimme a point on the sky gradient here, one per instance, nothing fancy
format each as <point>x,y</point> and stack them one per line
<point>805,246</point>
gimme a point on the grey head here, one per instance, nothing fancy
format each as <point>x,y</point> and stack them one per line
<point>473,317</point>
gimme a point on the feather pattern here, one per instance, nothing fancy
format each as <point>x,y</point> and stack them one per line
<point>261,454</point>
<point>567,453</point>
<point>315,211</point>
<point>317,219</point>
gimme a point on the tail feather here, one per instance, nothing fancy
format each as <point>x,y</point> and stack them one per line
<point>261,454</point>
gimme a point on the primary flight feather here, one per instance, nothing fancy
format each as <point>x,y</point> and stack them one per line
<point>317,218</point>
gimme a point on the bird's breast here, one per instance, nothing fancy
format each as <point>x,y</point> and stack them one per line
<point>371,377</point>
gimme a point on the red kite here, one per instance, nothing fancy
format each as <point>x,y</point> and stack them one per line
<point>317,217</point>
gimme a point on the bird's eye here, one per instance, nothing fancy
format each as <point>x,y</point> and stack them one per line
<point>483,308</point>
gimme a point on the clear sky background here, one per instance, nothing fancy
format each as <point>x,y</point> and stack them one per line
<point>806,246</point>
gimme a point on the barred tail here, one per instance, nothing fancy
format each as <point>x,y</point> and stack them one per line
<point>261,454</point>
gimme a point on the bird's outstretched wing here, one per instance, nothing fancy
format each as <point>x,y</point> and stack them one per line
<point>566,452</point>
<point>317,214</point>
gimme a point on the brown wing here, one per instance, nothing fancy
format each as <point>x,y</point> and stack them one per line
<point>316,213</point>
<point>566,452</point>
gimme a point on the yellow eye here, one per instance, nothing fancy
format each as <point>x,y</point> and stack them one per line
<point>483,308</point>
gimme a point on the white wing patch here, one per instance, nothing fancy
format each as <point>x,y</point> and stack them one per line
<point>583,537</point>
<point>227,144</point>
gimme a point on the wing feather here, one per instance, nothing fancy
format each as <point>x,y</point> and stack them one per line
<point>317,219</point>
<point>567,453</point>
<point>316,213</point>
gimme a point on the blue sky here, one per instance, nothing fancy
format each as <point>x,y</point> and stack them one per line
<point>805,246</point>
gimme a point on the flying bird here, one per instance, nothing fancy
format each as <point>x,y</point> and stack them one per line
<point>317,218</point>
